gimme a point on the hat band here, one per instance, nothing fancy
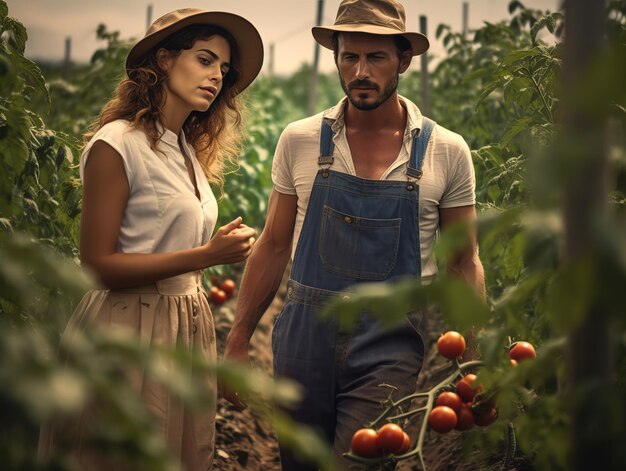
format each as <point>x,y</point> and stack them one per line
<point>386,25</point>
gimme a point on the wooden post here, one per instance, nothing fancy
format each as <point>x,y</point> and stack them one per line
<point>67,57</point>
<point>148,16</point>
<point>465,18</point>
<point>425,105</point>
<point>271,61</point>
<point>589,356</point>
<point>316,54</point>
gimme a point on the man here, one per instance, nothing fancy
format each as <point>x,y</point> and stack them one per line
<point>359,192</point>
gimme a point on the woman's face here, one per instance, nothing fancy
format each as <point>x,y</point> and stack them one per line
<point>195,75</point>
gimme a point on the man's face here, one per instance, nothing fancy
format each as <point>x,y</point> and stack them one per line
<point>369,68</point>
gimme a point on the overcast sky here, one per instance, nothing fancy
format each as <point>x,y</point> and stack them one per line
<point>285,23</point>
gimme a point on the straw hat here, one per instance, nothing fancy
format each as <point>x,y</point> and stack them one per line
<point>246,36</point>
<point>385,17</point>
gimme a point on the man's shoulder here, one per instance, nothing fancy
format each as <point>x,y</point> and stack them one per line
<point>304,128</point>
<point>448,138</point>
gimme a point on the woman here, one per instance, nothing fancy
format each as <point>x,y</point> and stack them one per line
<point>148,210</point>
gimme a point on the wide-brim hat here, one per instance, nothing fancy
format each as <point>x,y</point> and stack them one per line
<point>383,17</point>
<point>248,39</point>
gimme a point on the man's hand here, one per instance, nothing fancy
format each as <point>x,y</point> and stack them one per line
<point>235,353</point>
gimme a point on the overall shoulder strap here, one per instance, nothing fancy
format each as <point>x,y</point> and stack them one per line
<point>418,148</point>
<point>327,146</point>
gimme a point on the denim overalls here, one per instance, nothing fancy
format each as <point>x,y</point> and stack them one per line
<point>355,230</point>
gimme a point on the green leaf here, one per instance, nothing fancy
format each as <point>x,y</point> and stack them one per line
<point>304,442</point>
<point>520,55</point>
<point>547,22</point>
<point>33,77</point>
<point>488,90</point>
<point>19,35</point>
<point>571,293</point>
<point>513,257</point>
<point>459,304</point>
<point>440,29</point>
<point>514,6</point>
<point>516,128</point>
<point>390,302</point>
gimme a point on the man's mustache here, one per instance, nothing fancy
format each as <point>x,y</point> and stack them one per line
<point>362,83</point>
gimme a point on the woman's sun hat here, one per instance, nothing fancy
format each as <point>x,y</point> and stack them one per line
<point>385,17</point>
<point>248,39</point>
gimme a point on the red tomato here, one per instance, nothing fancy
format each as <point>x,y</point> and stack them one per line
<point>465,417</point>
<point>228,286</point>
<point>465,390</point>
<point>450,399</point>
<point>486,418</point>
<point>483,403</point>
<point>364,443</point>
<point>451,344</point>
<point>218,296</point>
<point>215,280</point>
<point>406,445</point>
<point>442,419</point>
<point>390,438</point>
<point>521,351</point>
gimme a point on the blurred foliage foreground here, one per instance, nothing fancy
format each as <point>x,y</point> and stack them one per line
<point>498,87</point>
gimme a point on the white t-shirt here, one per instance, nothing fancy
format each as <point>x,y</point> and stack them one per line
<point>448,180</point>
<point>163,213</point>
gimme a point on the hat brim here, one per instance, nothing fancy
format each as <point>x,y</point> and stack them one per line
<point>248,39</point>
<point>324,35</point>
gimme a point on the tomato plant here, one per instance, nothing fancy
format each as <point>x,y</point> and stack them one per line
<point>405,445</point>
<point>465,417</point>
<point>364,443</point>
<point>465,389</point>
<point>218,297</point>
<point>486,418</point>
<point>390,438</point>
<point>215,280</point>
<point>442,419</point>
<point>450,399</point>
<point>451,344</point>
<point>228,286</point>
<point>521,351</point>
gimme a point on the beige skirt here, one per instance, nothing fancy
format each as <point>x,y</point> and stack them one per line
<point>170,313</point>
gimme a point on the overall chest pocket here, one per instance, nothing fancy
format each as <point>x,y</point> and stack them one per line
<point>358,247</point>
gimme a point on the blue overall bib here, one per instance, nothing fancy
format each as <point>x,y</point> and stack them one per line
<point>355,230</point>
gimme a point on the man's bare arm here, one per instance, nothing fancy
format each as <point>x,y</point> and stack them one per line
<point>262,277</point>
<point>465,264</point>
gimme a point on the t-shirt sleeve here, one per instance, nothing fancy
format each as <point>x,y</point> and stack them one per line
<point>461,187</point>
<point>113,135</point>
<point>282,177</point>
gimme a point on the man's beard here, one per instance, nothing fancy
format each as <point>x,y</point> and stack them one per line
<point>359,104</point>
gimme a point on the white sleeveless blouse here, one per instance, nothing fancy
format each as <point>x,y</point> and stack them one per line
<point>163,213</point>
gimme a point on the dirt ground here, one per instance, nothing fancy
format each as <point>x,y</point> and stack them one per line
<point>243,441</point>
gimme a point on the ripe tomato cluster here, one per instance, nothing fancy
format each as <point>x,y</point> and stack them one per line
<point>459,410</point>
<point>221,291</point>
<point>390,439</point>
<point>453,404</point>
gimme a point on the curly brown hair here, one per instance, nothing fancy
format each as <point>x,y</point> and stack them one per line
<point>216,134</point>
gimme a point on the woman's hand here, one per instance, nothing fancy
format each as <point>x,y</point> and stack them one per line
<point>231,243</point>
